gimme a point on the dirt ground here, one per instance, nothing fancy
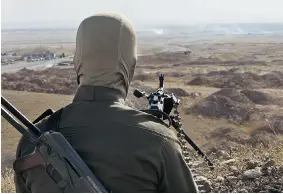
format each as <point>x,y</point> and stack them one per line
<point>230,90</point>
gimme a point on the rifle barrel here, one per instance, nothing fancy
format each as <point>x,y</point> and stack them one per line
<point>31,130</point>
<point>17,125</point>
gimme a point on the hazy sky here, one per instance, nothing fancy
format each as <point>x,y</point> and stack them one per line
<point>70,12</point>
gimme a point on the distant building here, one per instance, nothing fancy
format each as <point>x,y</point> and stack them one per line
<point>26,57</point>
<point>38,57</point>
<point>7,61</point>
<point>53,55</point>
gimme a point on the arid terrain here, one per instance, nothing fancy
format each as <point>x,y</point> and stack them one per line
<point>231,91</point>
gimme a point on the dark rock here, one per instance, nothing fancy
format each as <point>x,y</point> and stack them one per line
<point>203,183</point>
<point>251,164</point>
<point>269,163</point>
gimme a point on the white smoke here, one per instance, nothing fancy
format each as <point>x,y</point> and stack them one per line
<point>214,29</point>
<point>158,31</point>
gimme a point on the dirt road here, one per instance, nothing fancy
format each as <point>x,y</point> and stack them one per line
<point>30,65</point>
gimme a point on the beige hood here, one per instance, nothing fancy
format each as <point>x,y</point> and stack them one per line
<point>106,52</point>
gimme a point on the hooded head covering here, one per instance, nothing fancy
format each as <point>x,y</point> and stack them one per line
<point>106,52</point>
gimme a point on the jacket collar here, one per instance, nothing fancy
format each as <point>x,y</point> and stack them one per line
<point>97,93</point>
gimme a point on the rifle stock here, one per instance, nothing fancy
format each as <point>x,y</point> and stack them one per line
<point>54,151</point>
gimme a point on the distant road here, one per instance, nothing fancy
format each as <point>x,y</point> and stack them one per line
<point>29,65</point>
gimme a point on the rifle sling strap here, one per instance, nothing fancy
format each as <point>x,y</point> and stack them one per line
<point>35,159</point>
<point>54,120</point>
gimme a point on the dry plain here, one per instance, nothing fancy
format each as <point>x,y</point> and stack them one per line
<point>231,89</point>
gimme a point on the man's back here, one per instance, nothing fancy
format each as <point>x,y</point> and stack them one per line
<point>128,150</point>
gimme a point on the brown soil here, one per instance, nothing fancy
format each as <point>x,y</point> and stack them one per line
<point>145,76</point>
<point>240,106</point>
<point>273,79</point>
<point>226,103</point>
<point>216,61</point>
<point>258,97</point>
<point>175,74</point>
<point>164,58</point>
<point>232,79</point>
<point>233,94</point>
<point>274,126</point>
<point>179,92</point>
<point>263,138</point>
<point>53,80</point>
<point>229,135</point>
<point>137,84</point>
<point>199,81</point>
<point>63,81</point>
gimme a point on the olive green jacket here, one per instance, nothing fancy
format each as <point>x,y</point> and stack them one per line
<point>128,150</point>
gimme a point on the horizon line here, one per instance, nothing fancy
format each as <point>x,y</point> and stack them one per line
<point>69,27</point>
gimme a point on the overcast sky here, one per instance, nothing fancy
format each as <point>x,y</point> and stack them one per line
<point>69,13</point>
